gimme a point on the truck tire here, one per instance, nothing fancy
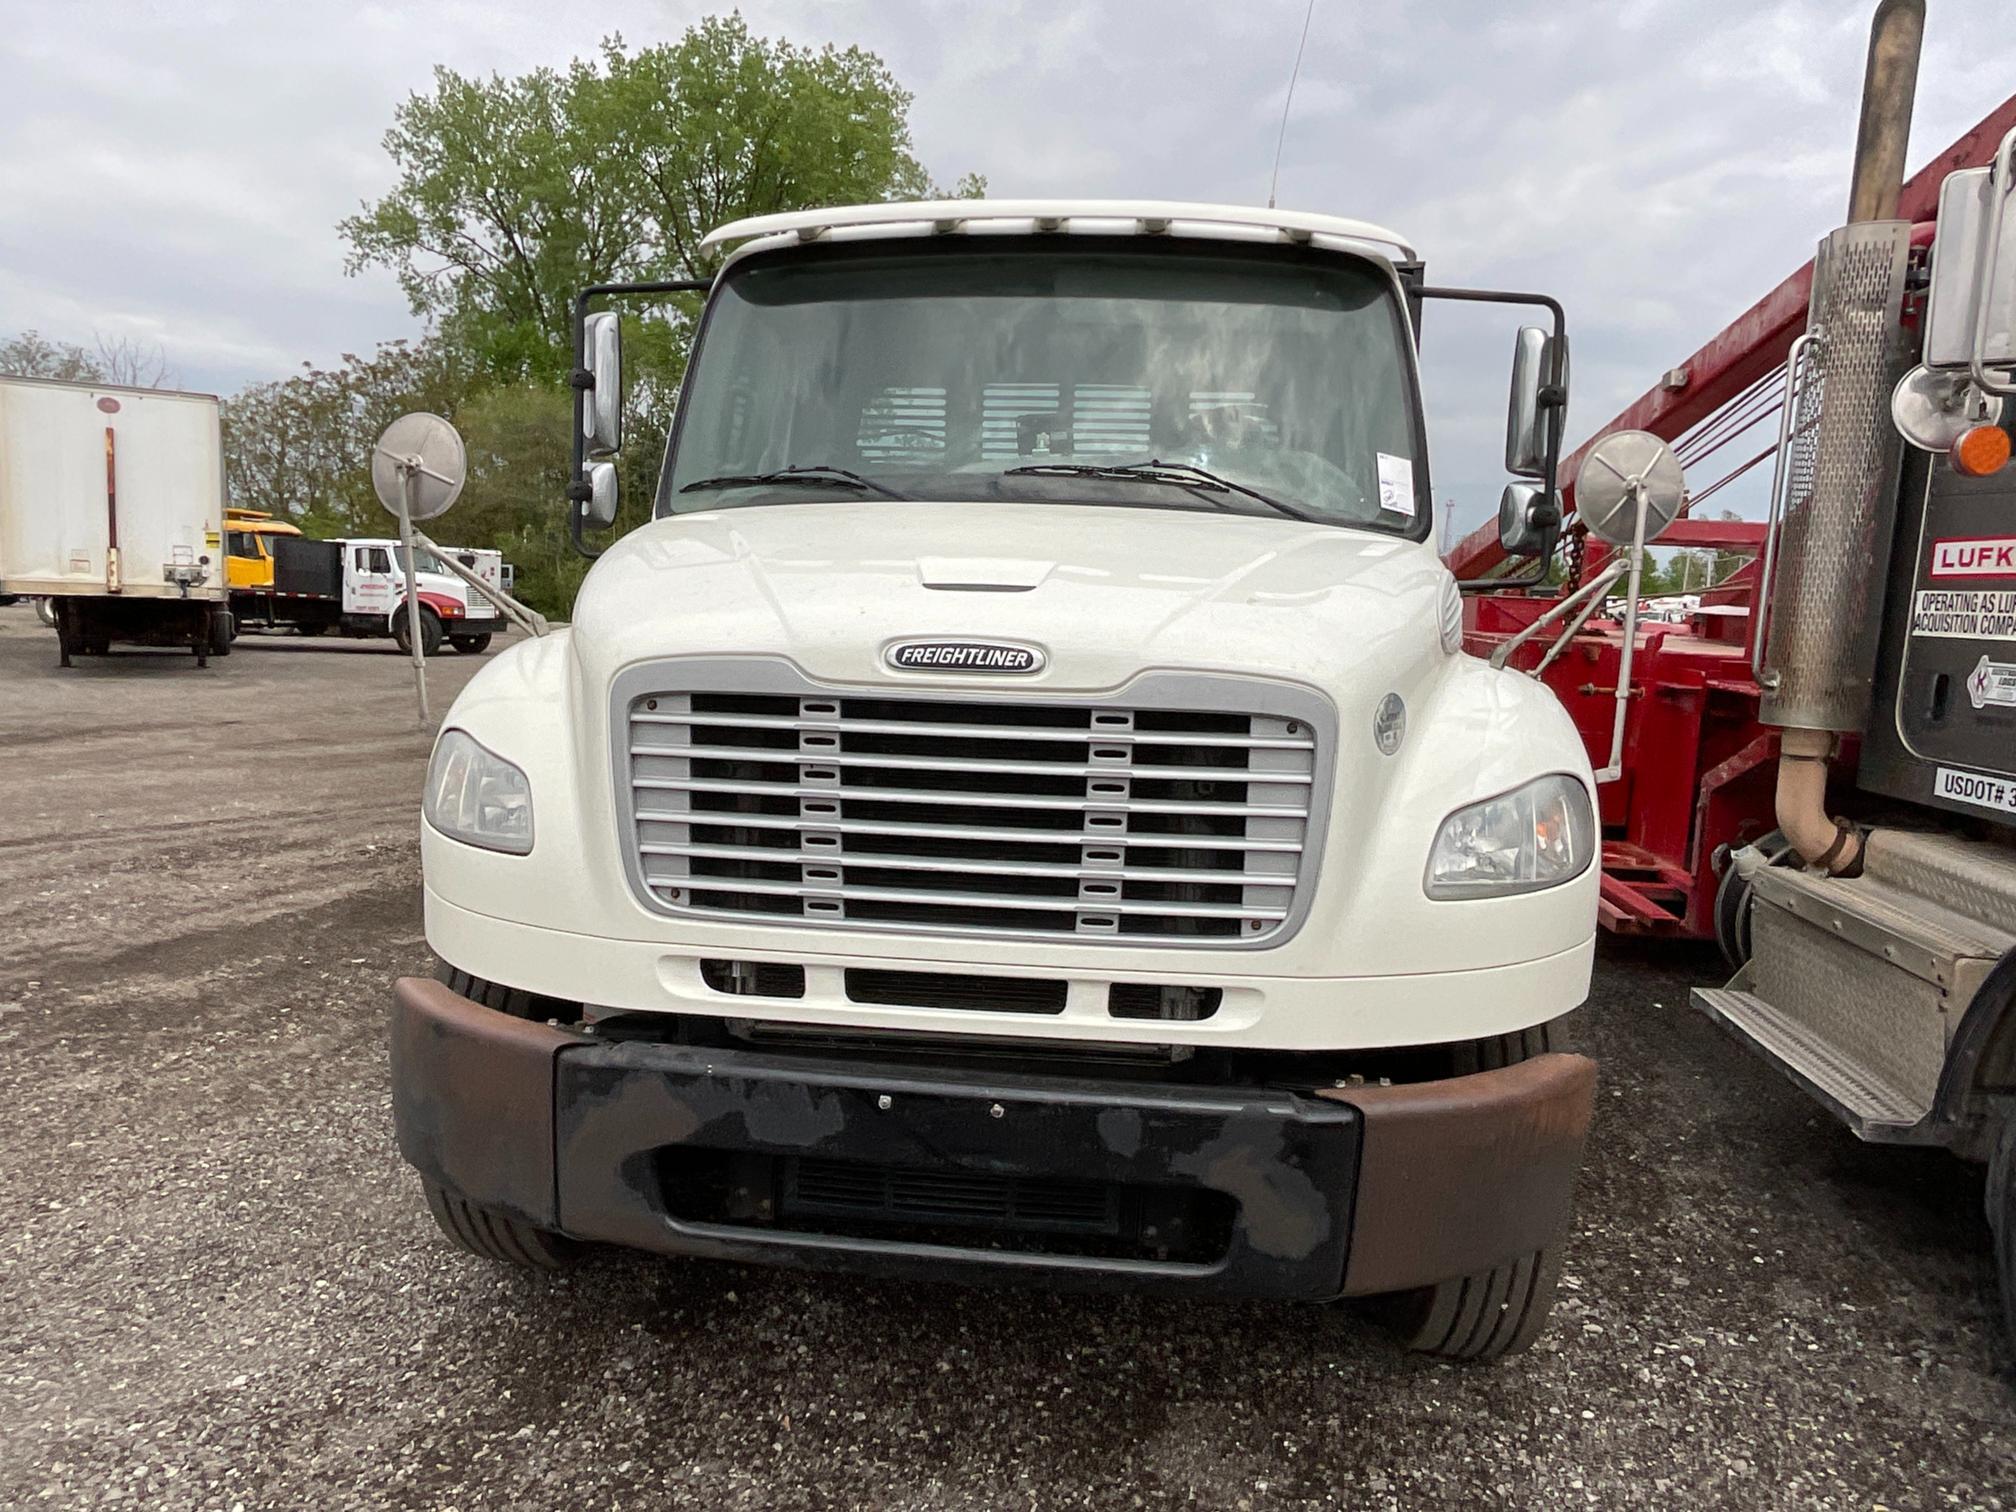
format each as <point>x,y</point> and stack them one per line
<point>2001,1203</point>
<point>223,631</point>
<point>1495,1312</point>
<point>471,645</point>
<point>1481,1317</point>
<point>430,632</point>
<point>485,1231</point>
<point>45,611</point>
<point>1732,901</point>
<point>492,1235</point>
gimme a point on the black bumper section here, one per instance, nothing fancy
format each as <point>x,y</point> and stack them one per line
<point>943,1176</point>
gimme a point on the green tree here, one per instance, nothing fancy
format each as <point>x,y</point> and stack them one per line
<point>721,125</point>
<point>506,203</point>
<point>300,448</point>
<point>31,355</point>
<point>120,360</point>
<point>514,193</point>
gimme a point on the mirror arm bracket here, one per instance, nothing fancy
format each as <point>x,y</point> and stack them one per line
<point>581,381</point>
<point>1553,399</point>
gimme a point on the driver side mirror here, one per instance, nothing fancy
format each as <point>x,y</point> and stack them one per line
<point>1526,521</point>
<point>602,415</point>
<point>599,508</point>
<point>1527,411</point>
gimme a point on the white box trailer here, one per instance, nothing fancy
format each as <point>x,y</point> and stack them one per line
<point>111,500</point>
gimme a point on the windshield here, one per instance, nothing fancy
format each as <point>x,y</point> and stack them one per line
<point>1264,381</point>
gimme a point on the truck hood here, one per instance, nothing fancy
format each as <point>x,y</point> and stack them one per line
<point>1106,592</point>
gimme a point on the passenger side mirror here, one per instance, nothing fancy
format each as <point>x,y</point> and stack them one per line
<point>602,416</point>
<point>1532,400</point>
<point>1526,521</point>
<point>599,508</point>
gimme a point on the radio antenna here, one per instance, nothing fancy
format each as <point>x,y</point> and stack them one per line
<point>1294,73</point>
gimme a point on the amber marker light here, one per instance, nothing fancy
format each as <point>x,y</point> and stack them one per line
<point>1981,452</point>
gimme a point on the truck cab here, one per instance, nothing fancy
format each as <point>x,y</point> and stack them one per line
<point>1020,807</point>
<point>374,595</point>
<point>248,545</point>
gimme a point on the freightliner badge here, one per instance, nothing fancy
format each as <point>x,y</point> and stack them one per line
<point>963,656</point>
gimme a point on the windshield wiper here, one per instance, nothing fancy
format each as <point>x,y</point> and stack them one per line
<point>1177,474</point>
<point>811,473</point>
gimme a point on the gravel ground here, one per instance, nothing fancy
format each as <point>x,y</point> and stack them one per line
<point>220,1289</point>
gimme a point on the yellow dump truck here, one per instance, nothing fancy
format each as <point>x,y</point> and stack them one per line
<point>248,548</point>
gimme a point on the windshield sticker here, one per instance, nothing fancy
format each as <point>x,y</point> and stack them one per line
<point>1965,614</point>
<point>1992,682</point>
<point>1396,484</point>
<point>1974,788</point>
<point>1975,556</point>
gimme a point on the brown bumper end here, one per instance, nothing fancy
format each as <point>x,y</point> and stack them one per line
<point>1458,1176</point>
<point>472,1098</point>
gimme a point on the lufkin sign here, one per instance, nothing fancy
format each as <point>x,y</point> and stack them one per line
<point>1975,557</point>
<point>1968,613</point>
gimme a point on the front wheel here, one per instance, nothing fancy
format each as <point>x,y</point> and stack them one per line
<point>492,1235</point>
<point>430,632</point>
<point>1495,1312</point>
<point>471,645</point>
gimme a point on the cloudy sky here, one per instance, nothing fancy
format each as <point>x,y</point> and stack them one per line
<point>173,172</point>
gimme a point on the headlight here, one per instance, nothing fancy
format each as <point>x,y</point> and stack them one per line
<point>477,797</point>
<point>1540,835</point>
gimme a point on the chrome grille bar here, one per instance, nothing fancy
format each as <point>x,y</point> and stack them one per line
<point>765,788</point>
<point>937,813</point>
<point>959,831</point>
<point>964,731</point>
<point>955,764</point>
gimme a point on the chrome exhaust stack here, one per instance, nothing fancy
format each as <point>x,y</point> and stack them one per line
<point>1833,504</point>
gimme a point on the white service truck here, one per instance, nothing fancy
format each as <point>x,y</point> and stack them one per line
<point>358,587</point>
<point>1020,808</point>
<point>111,500</point>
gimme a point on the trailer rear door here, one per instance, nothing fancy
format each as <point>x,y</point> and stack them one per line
<point>83,466</point>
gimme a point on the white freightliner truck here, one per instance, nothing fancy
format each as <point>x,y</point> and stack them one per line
<point>1019,808</point>
<point>111,508</point>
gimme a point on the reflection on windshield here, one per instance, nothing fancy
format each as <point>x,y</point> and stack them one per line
<point>950,375</point>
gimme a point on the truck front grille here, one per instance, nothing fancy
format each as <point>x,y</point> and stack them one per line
<point>976,817</point>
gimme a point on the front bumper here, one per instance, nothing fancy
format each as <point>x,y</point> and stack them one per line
<point>1152,1187</point>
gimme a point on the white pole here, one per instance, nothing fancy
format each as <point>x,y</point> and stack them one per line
<point>409,481</point>
<point>1615,768</point>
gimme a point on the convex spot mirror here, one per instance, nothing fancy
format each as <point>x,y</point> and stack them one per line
<point>419,465</point>
<point>1618,471</point>
<point>599,508</point>
<point>1526,413</point>
<point>1526,521</point>
<point>602,415</point>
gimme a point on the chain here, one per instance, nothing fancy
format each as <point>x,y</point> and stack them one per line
<point>1571,551</point>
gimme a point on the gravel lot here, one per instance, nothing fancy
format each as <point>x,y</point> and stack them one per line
<point>220,1288</point>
